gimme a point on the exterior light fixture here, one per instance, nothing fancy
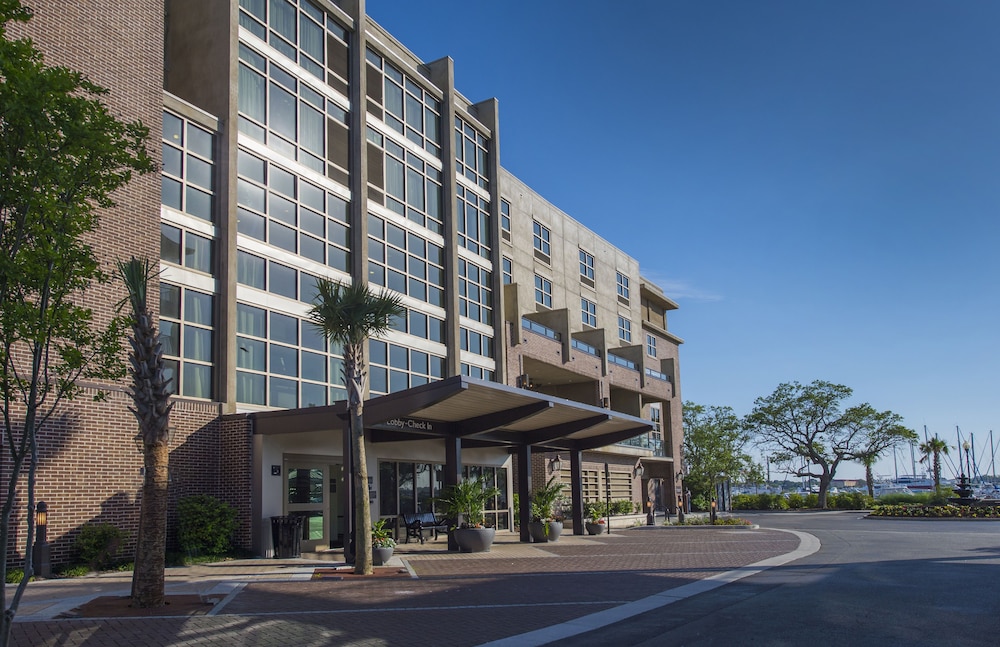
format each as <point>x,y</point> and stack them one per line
<point>555,465</point>
<point>140,442</point>
<point>638,471</point>
<point>41,562</point>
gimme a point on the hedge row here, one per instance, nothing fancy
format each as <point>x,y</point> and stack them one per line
<point>796,501</point>
<point>962,511</point>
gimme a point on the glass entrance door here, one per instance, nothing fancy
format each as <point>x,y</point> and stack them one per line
<point>308,496</point>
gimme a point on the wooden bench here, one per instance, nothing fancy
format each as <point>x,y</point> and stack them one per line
<point>416,524</point>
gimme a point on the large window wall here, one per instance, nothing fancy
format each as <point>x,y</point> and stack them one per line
<point>403,104</point>
<point>283,361</point>
<point>288,212</point>
<point>404,261</point>
<point>282,111</point>
<point>406,488</point>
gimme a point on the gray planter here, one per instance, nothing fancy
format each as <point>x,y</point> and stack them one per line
<point>596,528</point>
<point>536,529</point>
<point>555,530</point>
<point>474,540</point>
<point>381,555</point>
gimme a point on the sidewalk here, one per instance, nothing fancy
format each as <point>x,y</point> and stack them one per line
<point>511,591</point>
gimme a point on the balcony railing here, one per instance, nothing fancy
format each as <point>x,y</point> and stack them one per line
<point>539,329</point>
<point>645,441</point>
<point>585,347</point>
<point>621,361</point>
<point>656,375</point>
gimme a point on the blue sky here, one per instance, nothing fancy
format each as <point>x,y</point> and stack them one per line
<point>815,183</point>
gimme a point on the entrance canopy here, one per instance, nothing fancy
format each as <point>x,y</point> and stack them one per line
<point>480,413</point>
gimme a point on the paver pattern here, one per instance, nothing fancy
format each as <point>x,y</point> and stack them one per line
<point>439,598</point>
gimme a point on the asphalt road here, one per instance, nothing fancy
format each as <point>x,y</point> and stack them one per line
<point>873,582</point>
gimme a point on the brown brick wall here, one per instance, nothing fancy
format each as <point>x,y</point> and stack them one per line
<point>89,469</point>
<point>118,45</point>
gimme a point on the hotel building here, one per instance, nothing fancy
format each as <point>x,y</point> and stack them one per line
<point>299,139</point>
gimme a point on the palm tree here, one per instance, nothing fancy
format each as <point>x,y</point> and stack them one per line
<point>934,447</point>
<point>150,394</point>
<point>349,315</point>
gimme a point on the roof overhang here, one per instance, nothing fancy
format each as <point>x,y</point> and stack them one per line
<point>657,467</point>
<point>481,413</point>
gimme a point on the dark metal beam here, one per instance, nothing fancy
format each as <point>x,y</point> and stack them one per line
<point>576,489</point>
<point>524,490</point>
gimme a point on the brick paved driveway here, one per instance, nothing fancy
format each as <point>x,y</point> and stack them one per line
<point>454,599</point>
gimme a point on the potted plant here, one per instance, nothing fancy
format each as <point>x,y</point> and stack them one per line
<point>595,523</point>
<point>382,543</point>
<point>466,504</point>
<point>544,525</point>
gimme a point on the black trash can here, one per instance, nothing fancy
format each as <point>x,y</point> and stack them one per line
<point>286,536</point>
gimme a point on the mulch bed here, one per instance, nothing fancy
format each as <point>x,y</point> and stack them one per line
<point>112,606</point>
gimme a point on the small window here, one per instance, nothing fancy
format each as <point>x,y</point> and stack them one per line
<point>543,291</point>
<point>508,271</point>
<point>542,240</point>
<point>650,345</point>
<point>624,329</point>
<point>589,312</point>
<point>505,219</point>
<point>587,267</point>
<point>622,287</point>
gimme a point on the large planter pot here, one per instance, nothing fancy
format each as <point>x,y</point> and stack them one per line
<point>536,530</point>
<point>474,540</point>
<point>596,528</point>
<point>555,530</point>
<point>381,555</point>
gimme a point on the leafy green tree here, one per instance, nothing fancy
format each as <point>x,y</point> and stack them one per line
<point>885,432</point>
<point>807,432</point>
<point>150,392</point>
<point>714,442</point>
<point>62,156</point>
<point>348,315</point>
<point>932,449</point>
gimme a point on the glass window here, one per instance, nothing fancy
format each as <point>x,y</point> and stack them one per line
<point>589,311</point>
<point>543,291</point>
<point>624,329</point>
<point>187,174</point>
<point>541,238</point>
<point>586,265</point>
<point>622,286</point>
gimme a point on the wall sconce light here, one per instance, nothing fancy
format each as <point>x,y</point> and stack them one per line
<point>140,442</point>
<point>555,465</point>
<point>524,382</point>
<point>606,403</point>
<point>638,471</point>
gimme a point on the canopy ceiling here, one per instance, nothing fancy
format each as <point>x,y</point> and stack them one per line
<point>481,413</point>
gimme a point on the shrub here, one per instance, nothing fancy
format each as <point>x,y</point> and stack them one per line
<point>719,521</point>
<point>796,501</point>
<point>98,544</point>
<point>206,525</point>
<point>759,502</point>
<point>850,501</point>
<point>622,506</point>
<point>595,509</point>
<point>15,575</point>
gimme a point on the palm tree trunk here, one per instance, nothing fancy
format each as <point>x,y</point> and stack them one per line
<point>868,479</point>
<point>147,578</point>
<point>354,370</point>
<point>362,508</point>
